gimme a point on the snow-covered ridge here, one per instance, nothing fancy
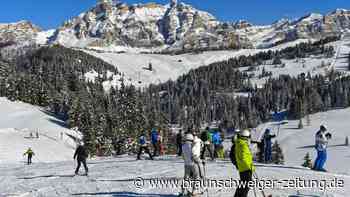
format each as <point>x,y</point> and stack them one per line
<point>174,26</point>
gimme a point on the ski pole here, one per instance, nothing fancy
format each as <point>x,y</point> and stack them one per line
<point>257,178</point>
<point>205,177</point>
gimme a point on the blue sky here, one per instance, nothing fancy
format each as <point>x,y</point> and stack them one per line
<point>50,14</point>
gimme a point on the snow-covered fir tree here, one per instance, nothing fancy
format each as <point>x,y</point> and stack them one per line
<point>277,154</point>
<point>307,161</point>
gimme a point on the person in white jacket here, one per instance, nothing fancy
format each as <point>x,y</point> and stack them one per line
<point>193,167</point>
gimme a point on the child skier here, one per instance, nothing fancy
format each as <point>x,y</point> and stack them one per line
<point>244,162</point>
<point>321,142</point>
<point>206,139</point>
<point>30,154</point>
<point>143,147</point>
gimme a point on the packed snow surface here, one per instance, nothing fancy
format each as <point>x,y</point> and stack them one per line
<point>114,177</point>
<point>19,123</point>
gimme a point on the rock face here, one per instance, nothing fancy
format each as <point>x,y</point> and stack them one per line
<point>20,32</point>
<point>173,27</point>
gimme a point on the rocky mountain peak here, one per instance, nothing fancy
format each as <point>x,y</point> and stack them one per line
<point>179,26</point>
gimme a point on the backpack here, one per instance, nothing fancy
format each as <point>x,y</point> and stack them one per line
<point>216,138</point>
<point>142,140</point>
<point>154,137</point>
<point>204,136</point>
<point>233,155</point>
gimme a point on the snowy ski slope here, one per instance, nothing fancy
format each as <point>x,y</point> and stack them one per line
<point>165,67</point>
<point>18,120</point>
<point>113,177</point>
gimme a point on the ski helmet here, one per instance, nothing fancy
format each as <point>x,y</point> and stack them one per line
<point>323,128</point>
<point>245,133</point>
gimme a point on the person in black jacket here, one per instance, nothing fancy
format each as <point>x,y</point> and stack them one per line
<point>205,137</point>
<point>81,155</point>
<point>179,143</point>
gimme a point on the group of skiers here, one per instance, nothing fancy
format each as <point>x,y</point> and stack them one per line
<point>193,148</point>
<point>193,144</point>
<point>210,140</point>
<point>156,141</point>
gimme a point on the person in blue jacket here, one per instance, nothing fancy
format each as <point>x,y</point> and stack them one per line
<point>267,138</point>
<point>143,147</point>
<point>154,141</point>
<point>216,138</point>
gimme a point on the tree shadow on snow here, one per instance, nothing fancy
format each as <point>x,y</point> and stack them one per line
<point>46,176</point>
<point>58,122</point>
<point>124,194</point>
<point>113,161</point>
<point>131,180</point>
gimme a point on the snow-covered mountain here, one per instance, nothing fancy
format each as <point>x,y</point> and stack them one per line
<point>174,26</point>
<point>178,26</point>
<point>22,31</point>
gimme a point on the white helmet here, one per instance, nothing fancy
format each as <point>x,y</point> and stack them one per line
<point>189,137</point>
<point>245,133</point>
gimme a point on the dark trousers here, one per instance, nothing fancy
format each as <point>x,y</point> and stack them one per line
<point>156,149</point>
<point>245,177</point>
<point>29,159</point>
<point>146,149</point>
<point>79,164</point>
<point>179,149</point>
<point>207,147</point>
<point>216,150</point>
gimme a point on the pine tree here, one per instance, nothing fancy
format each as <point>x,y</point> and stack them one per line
<point>277,154</point>
<point>307,161</point>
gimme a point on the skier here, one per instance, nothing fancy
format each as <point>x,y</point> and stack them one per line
<point>143,147</point>
<point>244,161</point>
<point>37,135</point>
<point>206,139</point>
<point>160,142</point>
<point>321,142</point>
<point>267,138</point>
<point>154,141</point>
<point>179,142</point>
<point>197,162</point>
<point>29,154</point>
<point>81,155</point>
<point>191,153</point>
<point>217,143</point>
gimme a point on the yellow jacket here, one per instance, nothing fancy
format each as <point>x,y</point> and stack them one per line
<point>244,157</point>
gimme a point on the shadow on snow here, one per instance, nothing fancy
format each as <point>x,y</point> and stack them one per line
<point>125,194</point>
